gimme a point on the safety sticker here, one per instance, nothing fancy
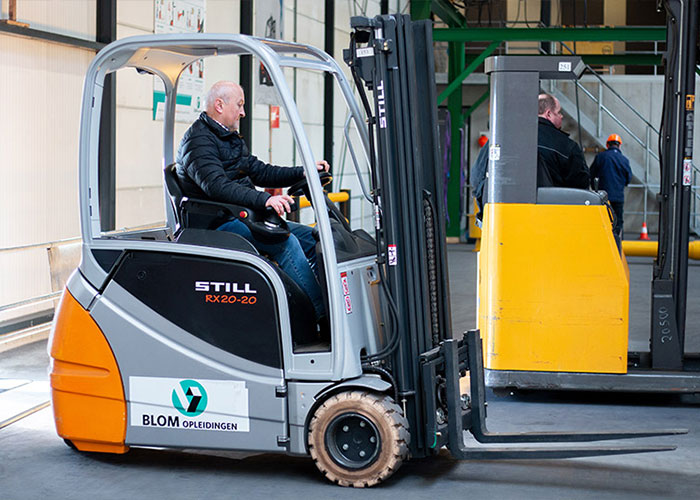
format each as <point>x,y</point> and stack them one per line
<point>687,171</point>
<point>494,152</point>
<point>392,255</point>
<point>564,66</point>
<point>189,404</point>
<point>689,102</point>
<point>364,52</point>
<point>344,282</point>
<point>346,292</point>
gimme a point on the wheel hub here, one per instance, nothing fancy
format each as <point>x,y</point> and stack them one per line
<point>353,441</point>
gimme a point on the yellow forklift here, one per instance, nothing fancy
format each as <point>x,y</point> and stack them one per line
<point>553,284</point>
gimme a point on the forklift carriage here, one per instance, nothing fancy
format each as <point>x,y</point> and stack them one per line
<point>185,337</point>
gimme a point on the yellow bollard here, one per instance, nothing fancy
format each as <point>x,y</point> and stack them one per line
<point>635,248</point>
<point>334,197</point>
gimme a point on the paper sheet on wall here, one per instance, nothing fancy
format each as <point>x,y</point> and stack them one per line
<point>181,16</point>
<point>268,24</point>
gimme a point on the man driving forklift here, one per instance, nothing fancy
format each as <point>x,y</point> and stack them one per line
<point>213,161</point>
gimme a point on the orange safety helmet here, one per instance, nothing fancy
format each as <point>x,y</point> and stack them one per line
<point>614,138</point>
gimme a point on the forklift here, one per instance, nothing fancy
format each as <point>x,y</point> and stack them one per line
<point>553,285</point>
<point>186,337</point>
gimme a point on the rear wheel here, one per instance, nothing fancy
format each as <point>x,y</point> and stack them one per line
<point>358,438</point>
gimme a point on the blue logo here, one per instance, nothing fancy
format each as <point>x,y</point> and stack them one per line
<point>195,395</point>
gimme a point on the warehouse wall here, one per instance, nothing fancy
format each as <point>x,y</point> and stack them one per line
<point>41,87</point>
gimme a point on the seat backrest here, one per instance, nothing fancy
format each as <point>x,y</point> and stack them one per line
<point>172,185</point>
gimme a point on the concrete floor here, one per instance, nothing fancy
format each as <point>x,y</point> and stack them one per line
<point>35,463</point>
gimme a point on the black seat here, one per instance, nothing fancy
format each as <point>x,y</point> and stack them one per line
<point>215,239</point>
<point>266,226</point>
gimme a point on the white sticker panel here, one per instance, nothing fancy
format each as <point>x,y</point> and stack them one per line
<point>494,152</point>
<point>364,52</point>
<point>189,404</point>
<point>565,66</point>
<point>391,254</point>
<point>687,172</point>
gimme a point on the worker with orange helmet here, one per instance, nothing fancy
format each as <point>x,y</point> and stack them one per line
<point>613,173</point>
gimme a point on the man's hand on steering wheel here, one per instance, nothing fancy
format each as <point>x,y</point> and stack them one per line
<point>322,166</point>
<point>281,203</point>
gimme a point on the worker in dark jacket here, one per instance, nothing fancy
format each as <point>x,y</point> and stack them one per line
<point>213,162</point>
<point>613,172</point>
<point>560,161</point>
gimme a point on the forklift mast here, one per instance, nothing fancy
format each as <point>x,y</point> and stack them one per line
<point>393,58</point>
<point>670,273</point>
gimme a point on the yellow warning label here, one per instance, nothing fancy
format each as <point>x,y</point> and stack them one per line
<point>689,102</point>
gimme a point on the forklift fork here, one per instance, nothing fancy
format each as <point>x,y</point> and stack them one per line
<point>475,419</point>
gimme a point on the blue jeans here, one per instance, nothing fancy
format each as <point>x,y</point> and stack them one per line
<point>296,256</point>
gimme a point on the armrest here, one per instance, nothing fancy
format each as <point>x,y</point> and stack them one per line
<point>265,225</point>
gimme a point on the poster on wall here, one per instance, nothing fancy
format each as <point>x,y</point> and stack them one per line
<point>181,16</point>
<point>268,24</point>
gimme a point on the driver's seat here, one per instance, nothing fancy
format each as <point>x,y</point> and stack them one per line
<point>266,226</point>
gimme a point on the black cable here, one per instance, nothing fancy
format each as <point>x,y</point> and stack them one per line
<point>671,51</point>
<point>384,374</point>
<point>525,14</point>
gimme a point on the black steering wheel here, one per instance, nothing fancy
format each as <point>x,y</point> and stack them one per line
<point>302,186</point>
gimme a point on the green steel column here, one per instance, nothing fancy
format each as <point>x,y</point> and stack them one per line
<point>454,106</point>
<point>420,9</point>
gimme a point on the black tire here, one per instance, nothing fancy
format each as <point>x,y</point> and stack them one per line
<point>358,438</point>
<point>70,444</point>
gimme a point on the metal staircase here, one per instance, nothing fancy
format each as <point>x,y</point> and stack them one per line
<point>644,160</point>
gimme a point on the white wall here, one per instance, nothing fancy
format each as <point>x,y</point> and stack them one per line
<point>41,85</point>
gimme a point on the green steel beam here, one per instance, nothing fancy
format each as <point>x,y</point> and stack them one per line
<point>420,9</point>
<point>447,12</point>
<point>476,105</point>
<point>623,34</point>
<point>457,82</point>
<point>623,59</point>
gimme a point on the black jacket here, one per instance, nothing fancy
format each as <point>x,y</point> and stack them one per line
<point>560,161</point>
<point>215,164</point>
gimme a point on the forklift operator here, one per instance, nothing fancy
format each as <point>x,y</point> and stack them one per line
<point>214,162</point>
<point>560,161</point>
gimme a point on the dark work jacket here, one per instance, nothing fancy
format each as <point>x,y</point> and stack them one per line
<point>613,170</point>
<point>215,164</point>
<point>478,177</point>
<point>560,161</point>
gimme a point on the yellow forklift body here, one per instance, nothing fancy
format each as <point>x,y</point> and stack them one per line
<point>553,289</point>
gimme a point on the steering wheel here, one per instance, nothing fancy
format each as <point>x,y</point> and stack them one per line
<point>302,186</point>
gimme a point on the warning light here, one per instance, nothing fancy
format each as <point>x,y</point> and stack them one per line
<point>482,140</point>
<point>243,214</point>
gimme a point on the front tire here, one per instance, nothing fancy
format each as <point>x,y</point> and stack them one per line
<point>358,438</point>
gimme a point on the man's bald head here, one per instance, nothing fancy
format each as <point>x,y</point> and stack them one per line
<point>548,107</point>
<point>224,102</point>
